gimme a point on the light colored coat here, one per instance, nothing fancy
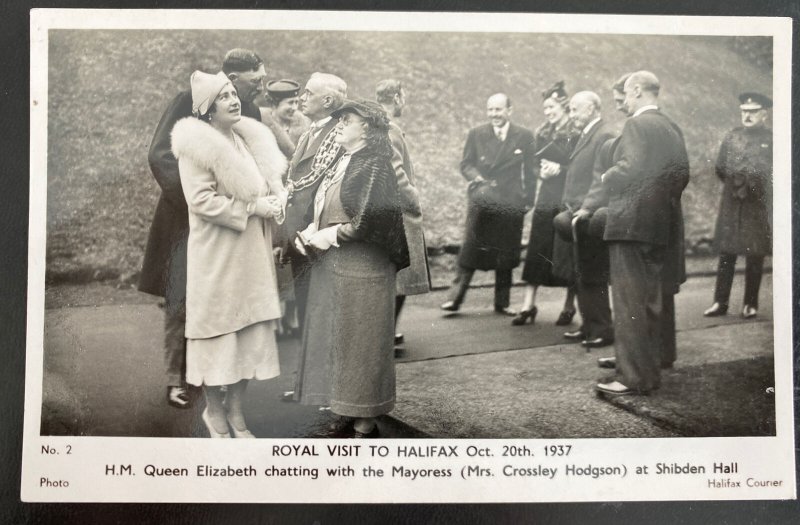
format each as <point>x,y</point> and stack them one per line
<point>231,280</point>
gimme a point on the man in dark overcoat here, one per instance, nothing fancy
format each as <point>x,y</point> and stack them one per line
<point>316,152</point>
<point>590,270</point>
<point>164,267</point>
<point>744,223</point>
<point>644,230</point>
<point>498,162</point>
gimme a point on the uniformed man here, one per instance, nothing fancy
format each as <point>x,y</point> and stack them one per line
<point>744,227</point>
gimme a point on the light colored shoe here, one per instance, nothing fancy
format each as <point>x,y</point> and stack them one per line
<point>748,312</point>
<point>614,388</point>
<point>607,362</point>
<point>715,310</point>
<point>212,432</point>
<point>240,433</point>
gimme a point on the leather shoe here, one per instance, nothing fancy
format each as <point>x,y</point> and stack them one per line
<point>576,335</point>
<point>372,434</point>
<point>399,339</point>
<point>597,342</point>
<point>565,317</point>
<point>505,310</point>
<point>615,388</point>
<point>716,309</point>
<point>748,312</point>
<point>449,306</point>
<point>524,315</point>
<point>607,362</point>
<point>288,396</point>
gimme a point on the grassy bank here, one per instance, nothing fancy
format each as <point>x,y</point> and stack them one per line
<point>109,88</point>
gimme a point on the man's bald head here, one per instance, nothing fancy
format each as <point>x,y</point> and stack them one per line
<point>498,109</point>
<point>641,89</point>
<point>584,107</point>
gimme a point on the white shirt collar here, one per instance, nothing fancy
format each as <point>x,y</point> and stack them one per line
<point>503,131</point>
<point>590,125</point>
<point>319,124</point>
<point>645,108</point>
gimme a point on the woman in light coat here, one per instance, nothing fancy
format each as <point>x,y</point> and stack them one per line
<point>357,238</point>
<point>230,168</point>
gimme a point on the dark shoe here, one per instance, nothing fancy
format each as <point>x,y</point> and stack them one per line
<point>607,362</point>
<point>597,342</point>
<point>399,339</point>
<point>748,312</point>
<point>399,352</point>
<point>505,310</point>
<point>522,317</point>
<point>667,366</point>
<point>565,317</point>
<point>577,335</point>
<point>449,306</point>
<point>716,309</point>
<point>337,428</point>
<point>178,396</point>
<point>372,434</point>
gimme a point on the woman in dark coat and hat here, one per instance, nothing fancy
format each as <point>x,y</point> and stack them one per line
<point>357,238</point>
<point>555,139</point>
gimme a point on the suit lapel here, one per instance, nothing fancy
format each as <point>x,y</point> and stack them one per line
<point>313,145</point>
<point>510,142</point>
<point>585,139</point>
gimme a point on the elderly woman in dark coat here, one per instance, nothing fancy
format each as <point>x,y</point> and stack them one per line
<point>555,139</point>
<point>358,241</point>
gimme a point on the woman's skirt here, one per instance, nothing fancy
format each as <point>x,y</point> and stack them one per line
<point>538,269</point>
<point>347,358</point>
<point>250,353</point>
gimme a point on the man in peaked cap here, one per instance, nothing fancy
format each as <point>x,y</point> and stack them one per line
<point>744,223</point>
<point>280,112</point>
<point>164,267</point>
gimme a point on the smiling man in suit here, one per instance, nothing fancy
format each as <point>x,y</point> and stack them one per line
<point>644,230</point>
<point>498,162</point>
<point>583,194</point>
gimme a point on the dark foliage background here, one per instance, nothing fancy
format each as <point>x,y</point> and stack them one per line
<point>107,90</point>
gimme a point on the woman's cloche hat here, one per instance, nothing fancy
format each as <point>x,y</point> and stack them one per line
<point>370,111</point>
<point>205,88</point>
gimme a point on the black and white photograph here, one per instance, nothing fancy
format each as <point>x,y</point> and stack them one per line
<point>310,233</point>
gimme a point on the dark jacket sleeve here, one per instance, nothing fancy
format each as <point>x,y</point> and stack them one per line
<point>722,158</point>
<point>632,158</point>
<point>163,163</point>
<point>469,160</point>
<point>597,197</point>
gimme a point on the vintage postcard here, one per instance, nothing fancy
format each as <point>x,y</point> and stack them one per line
<point>396,257</point>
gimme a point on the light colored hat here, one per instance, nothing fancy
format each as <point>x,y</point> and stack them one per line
<point>205,88</point>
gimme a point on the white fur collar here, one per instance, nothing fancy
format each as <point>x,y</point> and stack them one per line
<point>210,150</point>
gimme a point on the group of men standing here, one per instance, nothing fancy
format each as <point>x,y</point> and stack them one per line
<point>304,129</point>
<point>621,210</point>
<point>622,215</point>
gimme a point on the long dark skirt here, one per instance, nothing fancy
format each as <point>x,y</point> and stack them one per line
<point>347,358</point>
<point>538,269</point>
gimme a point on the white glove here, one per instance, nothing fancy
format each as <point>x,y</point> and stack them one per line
<point>325,238</point>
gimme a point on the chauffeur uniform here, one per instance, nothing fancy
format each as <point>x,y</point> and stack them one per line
<point>744,222</point>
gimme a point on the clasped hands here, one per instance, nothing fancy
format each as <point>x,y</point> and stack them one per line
<point>320,240</point>
<point>270,206</point>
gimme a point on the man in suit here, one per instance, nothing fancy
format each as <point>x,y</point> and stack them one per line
<point>744,223</point>
<point>316,152</point>
<point>415,279</point>
<point>590,270</point>
<point>498,162</point>
<point>164,268</point>
<point>644,230</point>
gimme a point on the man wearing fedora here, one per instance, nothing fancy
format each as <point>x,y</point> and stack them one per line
<point>644,231</point>
<point>498,162</point>
<point>587,263</point>
<point>744,223</point>
<point>164,267</point>
<point>281,113</point>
